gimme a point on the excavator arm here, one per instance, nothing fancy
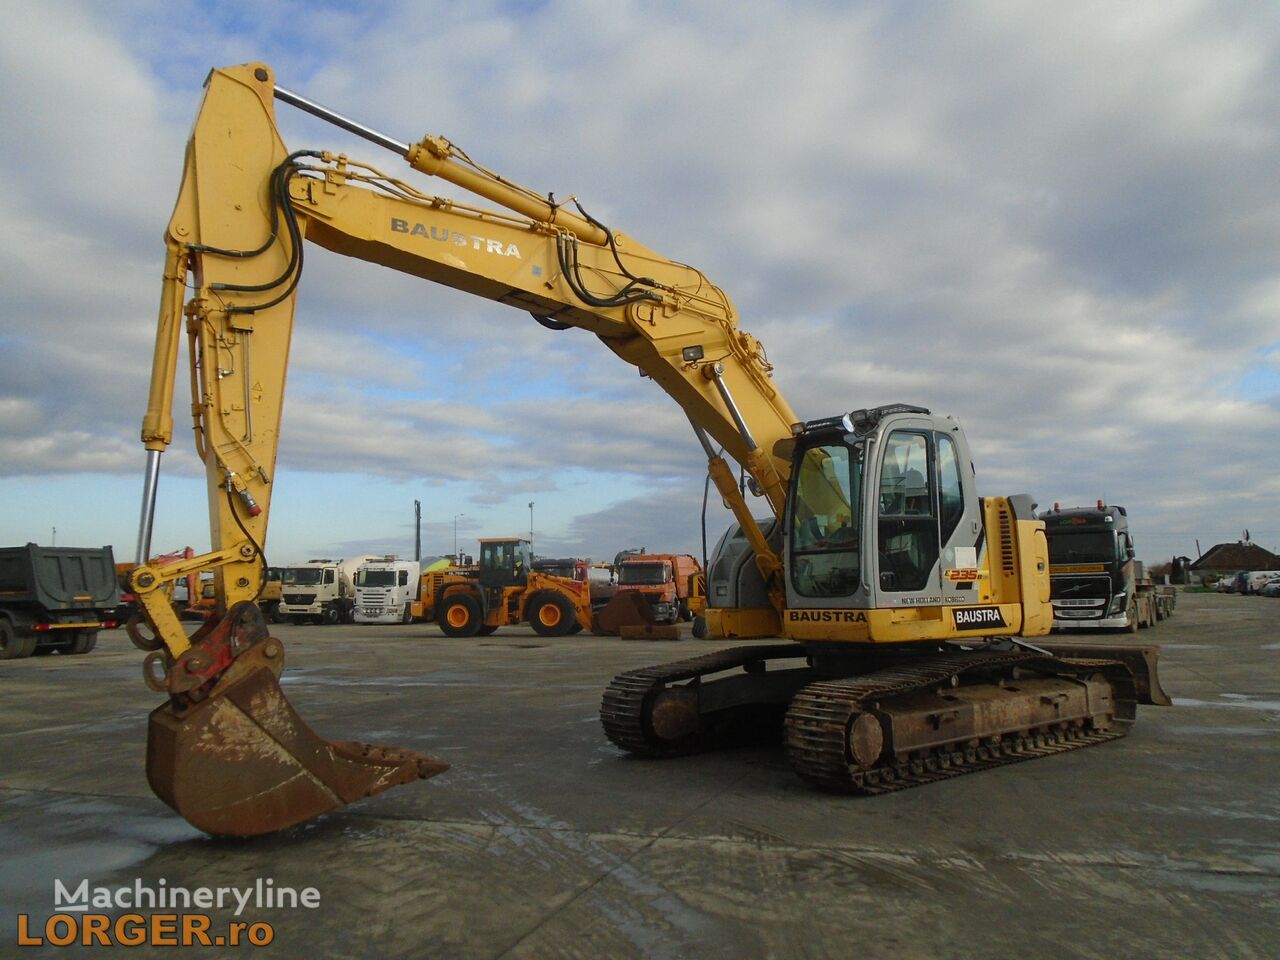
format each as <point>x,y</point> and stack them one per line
<point>227,751</point>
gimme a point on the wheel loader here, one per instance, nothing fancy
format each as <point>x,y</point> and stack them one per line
<point>908,609</point>
<point>504,589</point>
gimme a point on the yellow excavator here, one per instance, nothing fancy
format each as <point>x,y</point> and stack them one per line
<point>907,603</point>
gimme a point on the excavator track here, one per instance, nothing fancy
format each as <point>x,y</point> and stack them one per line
<point>826,717</point>
<point>632,718</point>
<point>677,709</point>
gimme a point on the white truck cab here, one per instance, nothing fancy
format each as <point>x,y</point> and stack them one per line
<point>385,590</point>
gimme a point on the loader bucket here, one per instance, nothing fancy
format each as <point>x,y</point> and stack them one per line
<point>629,616</point>
<point>241,762</point>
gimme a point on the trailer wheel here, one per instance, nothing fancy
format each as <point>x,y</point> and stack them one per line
<point>13,647</point>
<point>550,615</point>
<point>460,616</point>
<point>83,643</point>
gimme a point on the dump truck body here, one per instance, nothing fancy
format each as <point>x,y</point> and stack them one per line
<point>55,598</point>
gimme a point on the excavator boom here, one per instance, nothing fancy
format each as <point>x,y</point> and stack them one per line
<point>227,751</point>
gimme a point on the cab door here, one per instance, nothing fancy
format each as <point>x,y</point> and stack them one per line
<point>907,529</point>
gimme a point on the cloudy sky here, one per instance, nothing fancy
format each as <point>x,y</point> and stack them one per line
<point>1058,222</point>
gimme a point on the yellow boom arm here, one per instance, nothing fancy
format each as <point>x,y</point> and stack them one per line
<point>244,208</point>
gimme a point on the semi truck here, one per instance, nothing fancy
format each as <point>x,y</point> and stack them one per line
<point>385,590</point>
<point>55,599</point>
<point>321,591</point>
<point>1094,581</point>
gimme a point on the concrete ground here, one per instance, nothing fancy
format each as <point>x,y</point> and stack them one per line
<point>543,840</point>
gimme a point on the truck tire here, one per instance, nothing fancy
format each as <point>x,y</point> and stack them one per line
<point>271,611</point>
<point>460,616</point>
<point>551,615</point>
<point>84,642</point>
<point>13,647</point>
<point>407,616</point>
<point>487,630</point>
<point>699,628</point>
<point>684,613</point>
<point>331,615</point>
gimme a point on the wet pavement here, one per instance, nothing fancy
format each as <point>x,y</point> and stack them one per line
<point>543,840</point>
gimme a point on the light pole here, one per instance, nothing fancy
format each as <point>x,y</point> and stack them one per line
<point>455,535</point>
<point>530,524</point>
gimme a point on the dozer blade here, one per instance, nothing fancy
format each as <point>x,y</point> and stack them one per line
<point>1142,661</point>
<point>241,762</point>
<point>629,615</point>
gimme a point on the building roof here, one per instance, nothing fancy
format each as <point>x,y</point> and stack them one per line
<point>1237,556</point>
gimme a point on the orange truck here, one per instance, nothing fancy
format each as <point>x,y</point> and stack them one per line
<point>667,580</point>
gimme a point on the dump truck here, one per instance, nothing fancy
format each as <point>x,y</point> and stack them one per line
<point>1095,582</point>
<point>55,599</point>
<point>666,580</point>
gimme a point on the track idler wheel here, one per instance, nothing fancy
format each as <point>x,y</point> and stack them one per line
<point>239,761</point>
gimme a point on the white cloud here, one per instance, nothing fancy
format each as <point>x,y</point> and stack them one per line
<point>1058,223</point>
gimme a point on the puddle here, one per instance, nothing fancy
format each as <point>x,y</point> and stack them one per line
<point>50,838</point>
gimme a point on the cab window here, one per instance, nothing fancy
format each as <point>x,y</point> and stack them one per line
<point>908,524</point>
<point>825,534</point>
<point>950,492</point>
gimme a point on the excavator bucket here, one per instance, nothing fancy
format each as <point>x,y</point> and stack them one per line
<point>628,615</point>
<point>241,762</point>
